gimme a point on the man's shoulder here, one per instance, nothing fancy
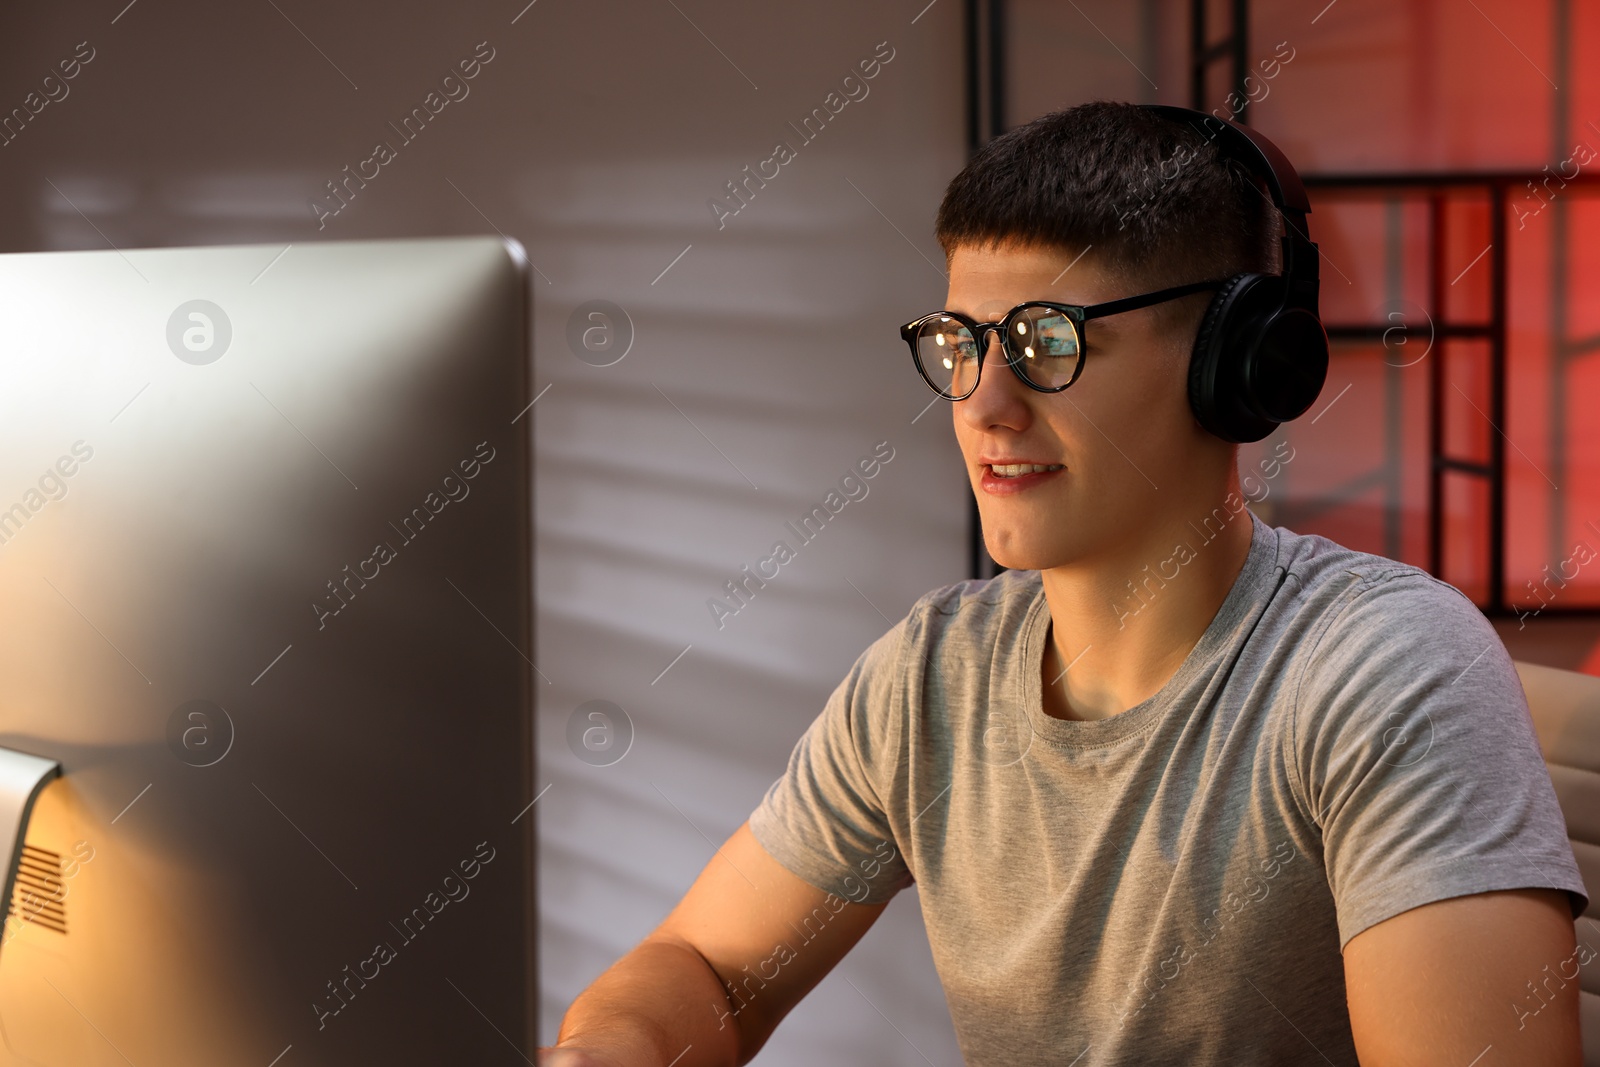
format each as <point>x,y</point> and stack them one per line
<point>1008,584</point>
<point>976,609</point>
<point>981,599</point>
<point>1335,580</point>
<point>1357,613</point>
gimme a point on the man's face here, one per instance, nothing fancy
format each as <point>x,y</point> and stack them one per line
<point>1135,461</point>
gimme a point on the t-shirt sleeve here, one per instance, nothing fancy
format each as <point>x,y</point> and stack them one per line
<point>825,818</point>
<point>1417,757</point>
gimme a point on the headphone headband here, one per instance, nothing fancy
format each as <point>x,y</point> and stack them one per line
<point>1261,354</point>
<point>1264,158</point>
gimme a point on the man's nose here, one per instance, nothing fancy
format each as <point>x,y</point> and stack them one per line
<point>996,395</point>
<point>994,356</point>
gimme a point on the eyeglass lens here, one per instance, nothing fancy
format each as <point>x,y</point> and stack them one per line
<point>1043,342</point>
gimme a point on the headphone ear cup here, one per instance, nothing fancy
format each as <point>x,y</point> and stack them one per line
<point>1211,380</point>
<point>1286,366</point>
<point>1256,363</point>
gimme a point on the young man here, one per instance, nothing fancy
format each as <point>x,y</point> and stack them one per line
<point>1179,787</point>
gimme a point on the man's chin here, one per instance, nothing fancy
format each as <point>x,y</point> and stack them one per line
<point>1033,557</point>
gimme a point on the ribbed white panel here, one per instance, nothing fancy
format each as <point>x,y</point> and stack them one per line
<point>766,362</point>
<point>763,369</point>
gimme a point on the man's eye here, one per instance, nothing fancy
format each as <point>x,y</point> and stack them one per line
<point>958,352</point>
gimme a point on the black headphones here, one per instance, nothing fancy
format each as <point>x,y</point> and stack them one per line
<point>1261,354</point>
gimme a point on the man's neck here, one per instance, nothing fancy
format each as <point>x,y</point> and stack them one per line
<point>1125,625</point>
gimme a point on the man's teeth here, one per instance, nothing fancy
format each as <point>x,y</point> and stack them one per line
<point>1011,470</point>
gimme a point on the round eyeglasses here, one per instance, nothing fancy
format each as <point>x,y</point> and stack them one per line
<point>1041,340</point>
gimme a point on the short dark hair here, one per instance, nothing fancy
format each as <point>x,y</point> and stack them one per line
<point>1154,200</point>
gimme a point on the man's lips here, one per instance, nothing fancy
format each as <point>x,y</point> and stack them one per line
<point>1001,485</point>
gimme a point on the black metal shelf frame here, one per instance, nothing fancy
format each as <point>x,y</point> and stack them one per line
<point>1493,188</point>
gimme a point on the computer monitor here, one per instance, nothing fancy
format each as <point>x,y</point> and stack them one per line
<point>266,578</point>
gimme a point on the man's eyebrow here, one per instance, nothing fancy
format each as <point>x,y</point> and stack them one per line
<point>1107,326</point>
<point>999,313</point>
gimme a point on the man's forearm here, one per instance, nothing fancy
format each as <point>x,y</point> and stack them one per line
<point>657,1005</point>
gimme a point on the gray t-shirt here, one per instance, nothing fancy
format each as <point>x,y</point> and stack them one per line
<point>1175,884</point>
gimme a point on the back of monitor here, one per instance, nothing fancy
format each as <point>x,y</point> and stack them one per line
<point>265,571</point>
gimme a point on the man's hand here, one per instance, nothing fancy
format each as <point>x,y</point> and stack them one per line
<point>748,929</point>
<point>575,1057</point>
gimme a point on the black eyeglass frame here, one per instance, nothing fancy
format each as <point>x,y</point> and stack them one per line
<point>1077,313</point>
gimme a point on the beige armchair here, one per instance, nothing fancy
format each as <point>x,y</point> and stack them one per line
<point>1566,715</point>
